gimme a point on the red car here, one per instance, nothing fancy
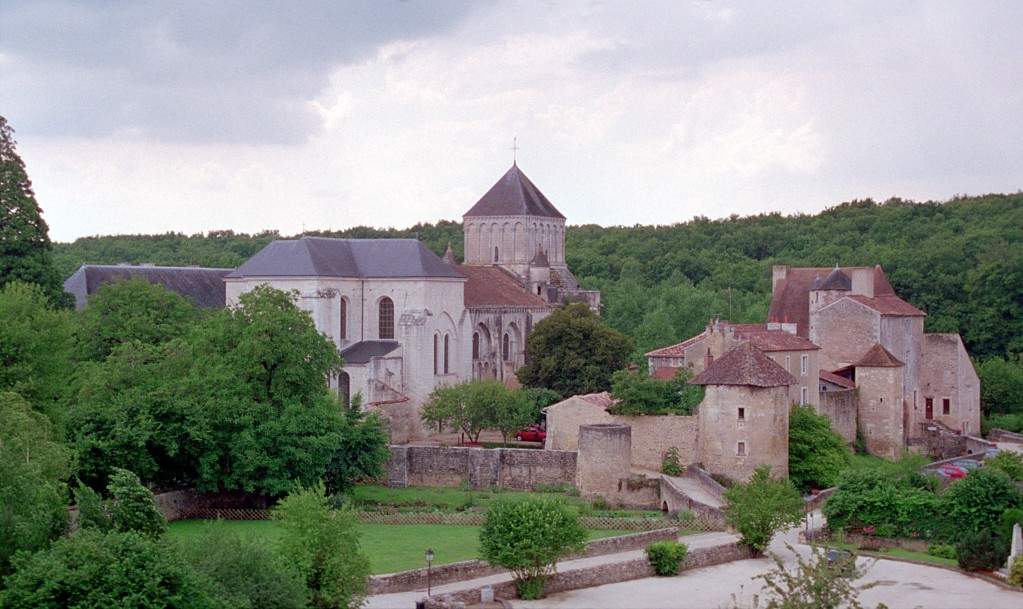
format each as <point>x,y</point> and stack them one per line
<point>952,472</point>
<point>531,433</point>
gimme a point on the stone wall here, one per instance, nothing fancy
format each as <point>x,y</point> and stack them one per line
<point>652,435</point>
<point>512,468</point>
<point>840,408</point>
<point>175,505</point>
<point>603,460</point>
<point>471,569</point>
<point>1002,435</point>
<point>734,446</point>
<point>598,575</point>
<point>880,410</point>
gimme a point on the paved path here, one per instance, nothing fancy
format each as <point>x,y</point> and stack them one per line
<point>899,585</point>
<point>407,600</point>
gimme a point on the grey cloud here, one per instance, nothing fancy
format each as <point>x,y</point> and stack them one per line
<point>237,72</point>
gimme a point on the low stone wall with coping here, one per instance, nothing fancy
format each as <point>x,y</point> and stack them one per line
<point>598,575</point>
<point>415,579</point>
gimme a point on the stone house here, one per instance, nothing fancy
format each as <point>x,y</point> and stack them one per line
<point>741,424</point>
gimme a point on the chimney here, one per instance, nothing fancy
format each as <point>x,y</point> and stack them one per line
<point>778,273</point>
<point>708,359</point>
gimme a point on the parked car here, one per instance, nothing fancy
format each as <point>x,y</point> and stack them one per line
<point>531,433</point>
<point>842,561</point>
<point>952,472</point>
<point>967,464</point>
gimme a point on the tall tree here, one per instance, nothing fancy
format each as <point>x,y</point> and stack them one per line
<point>573,352</point>
<point>25,249</point>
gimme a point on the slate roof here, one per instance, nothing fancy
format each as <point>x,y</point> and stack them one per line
<point>790,303</point>
<point>836,280</point>
<point>490,286</point>
<point>878,357</point>
<point>744,365</point>
<point>362,351</point>
<point>203,286</point>
<point>514,195</point>
<point>836,379</point>
<point>363,258</point>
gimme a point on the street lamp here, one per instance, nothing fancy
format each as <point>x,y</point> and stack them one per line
<point>429,565</point>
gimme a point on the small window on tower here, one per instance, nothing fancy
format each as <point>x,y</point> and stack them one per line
<point>740,450</point>
<point>537,290</point>
<point>946,405</point>
<point>742,414</point>
<point>496,257</point>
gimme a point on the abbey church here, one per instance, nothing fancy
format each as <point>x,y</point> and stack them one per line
<point>406,321</point>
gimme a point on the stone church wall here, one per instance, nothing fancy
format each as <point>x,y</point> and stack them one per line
<point>511,468</point>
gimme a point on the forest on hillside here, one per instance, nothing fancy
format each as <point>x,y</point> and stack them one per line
<point>961,261</point>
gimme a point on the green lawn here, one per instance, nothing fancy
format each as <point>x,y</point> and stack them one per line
<point>896,552</point>
<point>390,547</point>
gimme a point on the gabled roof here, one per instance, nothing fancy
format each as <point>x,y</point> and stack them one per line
<point>878,357</point>
<point>774,340</point>
<point>790,301</point>
<point>677,350</point>
<point>362,351</point>
<point>836,379</point>
<point>490,286</point>
<point>889,305</point>
<point>203,286</point>
<point>362,258</point>
<point>514,195</point>
<point>744,365</point>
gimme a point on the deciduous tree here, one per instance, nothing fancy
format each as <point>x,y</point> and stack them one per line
<point>761,507</point>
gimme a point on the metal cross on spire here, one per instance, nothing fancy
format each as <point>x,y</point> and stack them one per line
<point>515,149</point>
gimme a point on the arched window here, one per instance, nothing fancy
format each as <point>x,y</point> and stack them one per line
<point>537,290</point>
<point>435,370</point>
<point>496,257</point>
<point>343,319</point>
<point>446,352</point>
<point>386,315</point>
<point>506,348</point>
<point>475,345</point>
<point>344,388</point>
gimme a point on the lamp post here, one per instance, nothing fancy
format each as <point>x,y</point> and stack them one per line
<point>429,565</point>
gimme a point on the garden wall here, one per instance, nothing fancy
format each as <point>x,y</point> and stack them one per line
<point>511,468</point>
<point>471,569</point>
<point>598,575</point>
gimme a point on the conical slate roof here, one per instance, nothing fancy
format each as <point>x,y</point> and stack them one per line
<point>878,357</point>
<point>836,280</point>
<point>744,365</point>
<point>514,195</point>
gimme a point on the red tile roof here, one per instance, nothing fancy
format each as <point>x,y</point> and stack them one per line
<point>790,303</point>
<point>836,379</point>
<point>744,365</point>
<point>878,357</point>
<point>775,340</point>
<point>665,374</point>
<point>490,286</point>
<point>677,350</point>
<point>889,305</point>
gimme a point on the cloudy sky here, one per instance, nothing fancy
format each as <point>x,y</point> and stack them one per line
<point>191,116</point>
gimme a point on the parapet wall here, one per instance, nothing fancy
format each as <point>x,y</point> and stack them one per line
<point>512,468</point>
<point>840,408</point>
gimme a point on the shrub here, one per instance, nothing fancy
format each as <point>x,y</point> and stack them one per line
<point>529,537</point>
<point>95,570</point>
<point>761,507</point>
<point>131,505</point>
<point>881,499</point>
<point>666,556</point>
<point>1009,462</point>
<point>942,550</point>
<point>641,394</point>
<point>978,500</point>
<point>363,451</point>
<point>672,464</point>
<point>247,573</point>
<point>981,550</point>
<point>816,453</point>
<point>1016,572</point>
<point>1007,520</point>
<point>323,545</point>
